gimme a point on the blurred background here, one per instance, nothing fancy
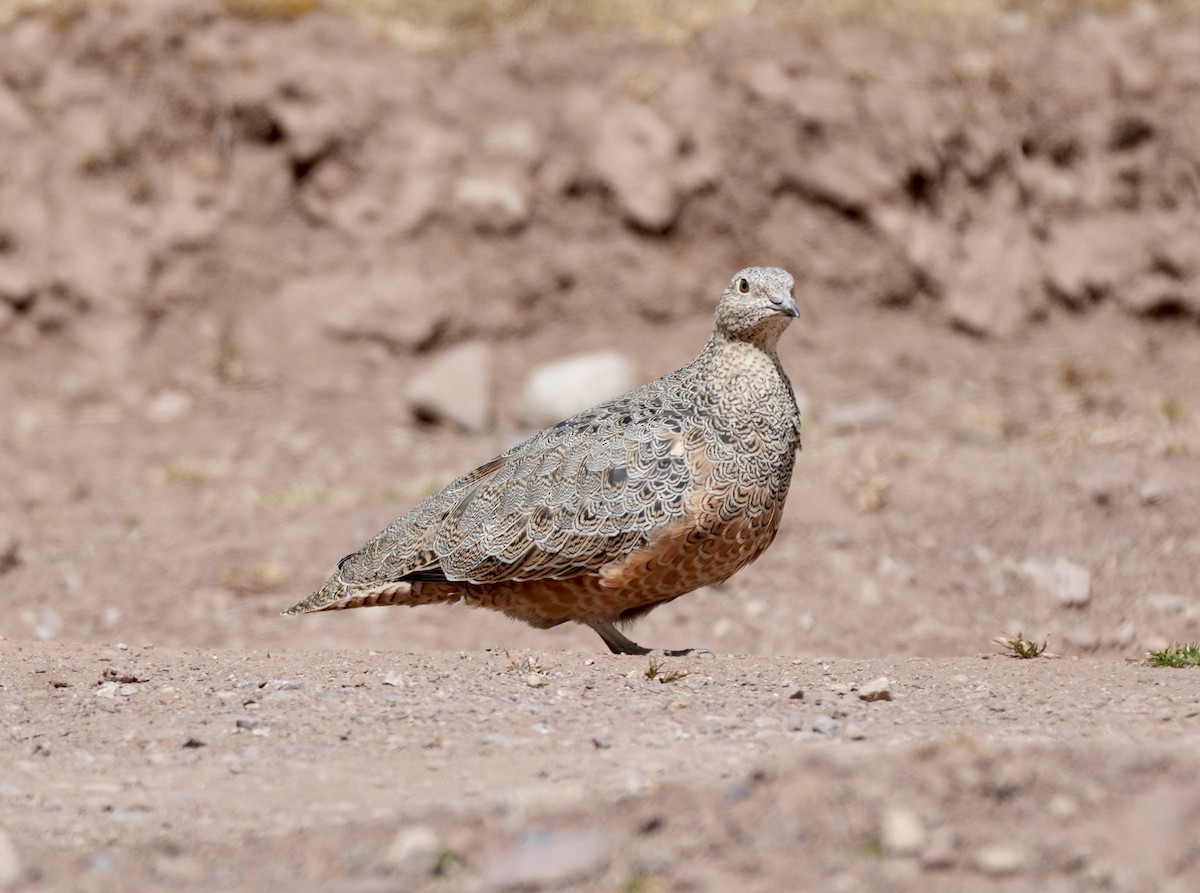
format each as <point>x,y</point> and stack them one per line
<point>272,271</point>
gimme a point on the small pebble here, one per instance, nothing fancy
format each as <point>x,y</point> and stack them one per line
<point>1168,602</point>
<point>455,386</point>
<point>179,869</point>
<point>1072,583</point>
<point>940,852</point>
<point>999,861</point>
<point>1124,635</point>
<point>11,869</point>
<point>877,690</point>
<point>285,684</point>
<point>100,863</point>
<point>558,389</point>
<point>169,406</point>
<point>903,833</point>
<point>1063,807</point>
<point>550,859</point>
<point>415,849</point>
<point>824,724</point>
<point>1069,583</point>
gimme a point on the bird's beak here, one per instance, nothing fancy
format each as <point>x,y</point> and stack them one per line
<point>786,305</point>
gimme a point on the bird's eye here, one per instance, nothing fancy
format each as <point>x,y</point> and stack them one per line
<point>744,286</point>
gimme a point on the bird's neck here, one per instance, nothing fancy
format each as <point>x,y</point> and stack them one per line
<point>763,337</point>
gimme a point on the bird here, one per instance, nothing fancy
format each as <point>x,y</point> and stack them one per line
<point>617,510</point>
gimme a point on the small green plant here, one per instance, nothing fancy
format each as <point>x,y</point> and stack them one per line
<point>448,862</point>
<point>1019,646</point>
<point>1172,408</point>
<point>654,672</point>
<point>1175,655</point>
<point>872,848</point>
<point>640,883</point>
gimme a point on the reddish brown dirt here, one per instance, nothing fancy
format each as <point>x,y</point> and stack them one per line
<point>226,246</point>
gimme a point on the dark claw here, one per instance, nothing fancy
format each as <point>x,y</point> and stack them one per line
<point>684,652</point>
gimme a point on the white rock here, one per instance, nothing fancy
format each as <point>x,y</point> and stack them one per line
<point>498,204</point>
<point>560,389</point>
<point>1039,573</point>
<point>456,387</point>
<point>1072,583</point>
<point>1124,635</point>
<point>550,859</point>
<point>512,139</point>
<point>998,861</point>
<point>824,724</point>
<point>902,831</point>
<point>1168,602</point>
<point>1062,807</point>
<point>877,690</point>
<point>168,406</point>
<point>941,851</point>
<point>415,848</point>
<point>1151,493</point>
<point>11,869</point>
<point>1069,583</point>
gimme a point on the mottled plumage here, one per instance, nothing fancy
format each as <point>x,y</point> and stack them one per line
<point>601,518</point>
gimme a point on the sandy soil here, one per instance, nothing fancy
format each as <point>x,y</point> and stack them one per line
<point>226,247</point>
<point>140,767</point>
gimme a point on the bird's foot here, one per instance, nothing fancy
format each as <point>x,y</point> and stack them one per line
<point>618,643</point>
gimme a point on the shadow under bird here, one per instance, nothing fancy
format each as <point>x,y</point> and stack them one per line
<point>623,507</point>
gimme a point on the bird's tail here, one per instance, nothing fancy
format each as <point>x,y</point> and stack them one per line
<point>338,594</point>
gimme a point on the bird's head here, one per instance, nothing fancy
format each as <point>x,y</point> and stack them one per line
<point>757,305</point>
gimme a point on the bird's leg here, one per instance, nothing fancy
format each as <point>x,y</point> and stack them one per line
<point>618,643</point>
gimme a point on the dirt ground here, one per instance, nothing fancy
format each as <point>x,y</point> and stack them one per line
<point>228,245</point>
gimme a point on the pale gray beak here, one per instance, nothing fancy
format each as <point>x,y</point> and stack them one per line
<point>786,305</point>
